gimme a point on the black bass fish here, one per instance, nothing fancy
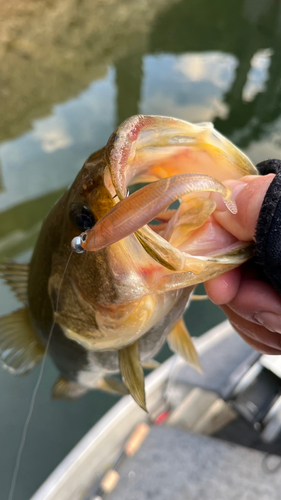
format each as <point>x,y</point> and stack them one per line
<point>127,284</point>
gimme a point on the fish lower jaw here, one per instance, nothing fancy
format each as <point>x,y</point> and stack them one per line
<point>103,343</point>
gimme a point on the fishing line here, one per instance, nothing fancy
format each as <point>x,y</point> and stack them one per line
<point>34,394</point>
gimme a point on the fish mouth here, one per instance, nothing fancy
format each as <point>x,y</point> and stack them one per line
<point>147,148</point>
<point>176,160</point>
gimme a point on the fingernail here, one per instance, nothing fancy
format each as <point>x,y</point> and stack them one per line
<point>236,187</point>
<point>269,320</point>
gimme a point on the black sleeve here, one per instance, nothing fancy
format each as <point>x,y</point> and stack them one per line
<point>268,230</point>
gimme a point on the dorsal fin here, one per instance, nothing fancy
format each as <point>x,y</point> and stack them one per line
<point>181,343</point>
<point>132,373</point>
<point>16,276</point>
<point>20,349</point>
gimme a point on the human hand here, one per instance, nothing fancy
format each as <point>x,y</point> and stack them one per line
<point>252,305</point>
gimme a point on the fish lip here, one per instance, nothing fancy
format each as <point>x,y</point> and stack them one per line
<point>122,144</point>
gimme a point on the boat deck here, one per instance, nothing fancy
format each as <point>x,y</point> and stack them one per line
<point>173,464</point>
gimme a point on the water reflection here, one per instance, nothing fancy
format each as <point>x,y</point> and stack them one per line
<point>51,153</point>
<point>189,86</point>
<point>70,72</point>
<point>257,75</point>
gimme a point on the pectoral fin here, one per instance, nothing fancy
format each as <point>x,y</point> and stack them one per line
<point>181,343</point>
<point>112,385</point>
<point>67,389</point>
<point>151,364</point>
<point>132,373</point>
<point>20,349</point>
<point>16,276</point>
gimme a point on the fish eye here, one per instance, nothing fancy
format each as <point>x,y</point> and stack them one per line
<point>81,216</point>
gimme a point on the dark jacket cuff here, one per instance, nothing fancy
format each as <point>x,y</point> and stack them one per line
<point>268,230</point>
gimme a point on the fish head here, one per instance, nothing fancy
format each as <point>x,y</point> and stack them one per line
<point>178,161</point>
<point>104,300</point>
<point>131,273</point>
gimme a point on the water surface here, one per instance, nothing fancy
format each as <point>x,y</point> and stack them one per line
<point>71,71</point>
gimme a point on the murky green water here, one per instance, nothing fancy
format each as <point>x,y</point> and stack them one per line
<point>70,72</point>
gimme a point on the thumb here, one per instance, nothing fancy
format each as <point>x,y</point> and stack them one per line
<point>248,193</point>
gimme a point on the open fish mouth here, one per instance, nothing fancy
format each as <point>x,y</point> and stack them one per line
<point>178,161</point>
